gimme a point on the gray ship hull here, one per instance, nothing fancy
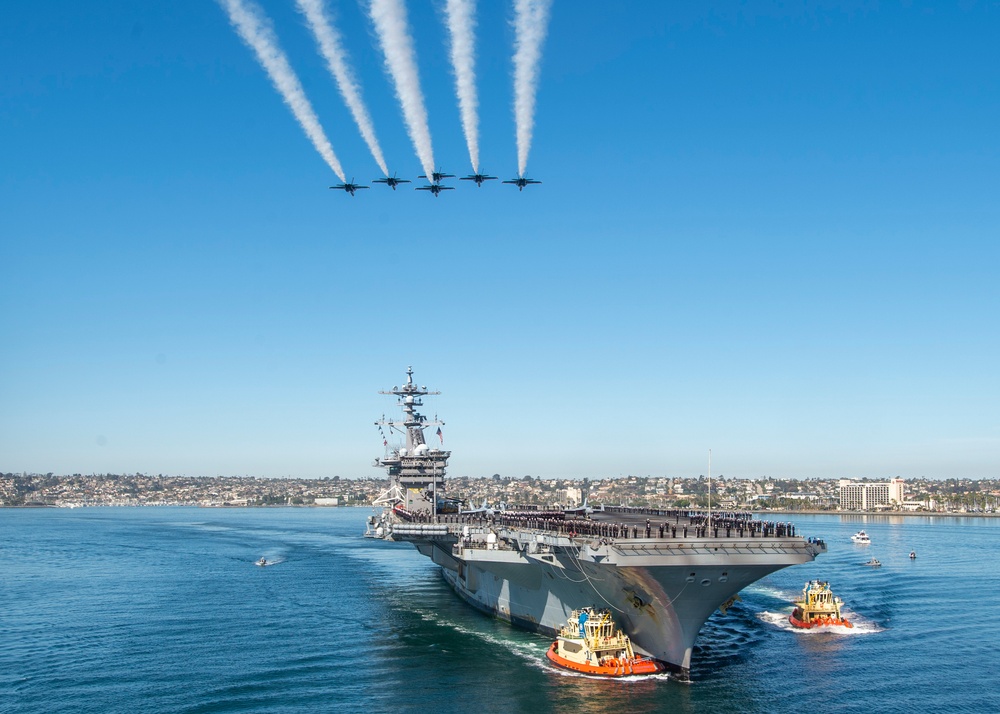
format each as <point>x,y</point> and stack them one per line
<point>660,592</point>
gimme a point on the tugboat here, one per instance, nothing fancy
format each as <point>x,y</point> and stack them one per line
<point>861,538</point>
<point>818,608</point>
<point>589,643</point>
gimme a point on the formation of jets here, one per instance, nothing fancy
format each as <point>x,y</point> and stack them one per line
<point>435,187</point>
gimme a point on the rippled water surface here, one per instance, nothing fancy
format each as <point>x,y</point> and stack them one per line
<point>163,610</point>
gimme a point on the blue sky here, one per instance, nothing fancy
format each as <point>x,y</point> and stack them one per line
<point>767,230</point>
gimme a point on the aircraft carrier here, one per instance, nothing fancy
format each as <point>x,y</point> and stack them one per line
<point>661,573</point>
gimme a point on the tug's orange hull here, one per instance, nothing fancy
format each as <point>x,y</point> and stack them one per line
<point>821,622</point>
<point>614,668</point>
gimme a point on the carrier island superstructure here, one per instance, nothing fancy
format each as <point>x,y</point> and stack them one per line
<point>661,573</point>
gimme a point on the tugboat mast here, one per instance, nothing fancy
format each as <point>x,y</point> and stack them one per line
<point>416,470</point>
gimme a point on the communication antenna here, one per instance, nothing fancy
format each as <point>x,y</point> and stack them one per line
<point>710,489</point>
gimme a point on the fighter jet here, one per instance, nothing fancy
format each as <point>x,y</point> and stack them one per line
<point>478,178</point>
<point>349,187</point>
<point>437,176</point>
<point>435,188</point>
<point>521,182</point>
<point>584,510</point>
<point>483,510</point>
<point>391,181</point>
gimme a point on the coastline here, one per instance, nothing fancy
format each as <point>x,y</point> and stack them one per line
<point>805,512</point>
<point>907,514</point>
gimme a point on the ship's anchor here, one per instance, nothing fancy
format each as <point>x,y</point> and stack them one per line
<point>728,603</point>
<point>638,602</point>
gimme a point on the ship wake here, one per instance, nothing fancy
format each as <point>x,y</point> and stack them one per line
<point>532,651</point>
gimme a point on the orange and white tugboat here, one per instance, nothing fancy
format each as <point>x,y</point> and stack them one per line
<point>818,608</point>
<point>589,643</point>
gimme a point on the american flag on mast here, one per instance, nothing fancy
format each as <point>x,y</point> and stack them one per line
<point>440,435</point>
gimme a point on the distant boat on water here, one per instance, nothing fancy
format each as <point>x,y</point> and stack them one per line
<point>861,538</point>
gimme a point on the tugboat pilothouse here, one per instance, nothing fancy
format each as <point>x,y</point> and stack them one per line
<point>661,573</point>
<point>818,608</point>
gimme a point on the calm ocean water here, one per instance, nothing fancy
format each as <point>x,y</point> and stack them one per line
<point>162,610</point>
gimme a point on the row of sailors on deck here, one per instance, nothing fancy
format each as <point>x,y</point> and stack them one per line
<point>575,527</point>
<point>722,526</point>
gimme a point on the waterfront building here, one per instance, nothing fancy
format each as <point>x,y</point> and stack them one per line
<point>858,496</point>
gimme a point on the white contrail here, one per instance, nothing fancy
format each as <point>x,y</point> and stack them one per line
<point>255,29</point>
<point>461,17</point>
<point>531,19</point>
<point>389,17</point>
<point>332,49</point>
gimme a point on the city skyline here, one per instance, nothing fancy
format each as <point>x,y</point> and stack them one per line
<point>766,231</point>
<point>925,495</point>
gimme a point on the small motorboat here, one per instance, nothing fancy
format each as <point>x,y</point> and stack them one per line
<point>818,608</point>
<point>874,563</point>
<point>262,562</point>
<point>913,555</point>
<point>590,643</point>
<point>861,538</point>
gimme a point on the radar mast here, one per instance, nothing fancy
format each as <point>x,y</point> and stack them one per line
<point>416,470</point>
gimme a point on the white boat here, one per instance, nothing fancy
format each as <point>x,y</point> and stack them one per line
<point>262,562</point>
<point>874,562</point>
<point>861,538</point>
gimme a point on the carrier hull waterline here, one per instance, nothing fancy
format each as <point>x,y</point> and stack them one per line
<point>533,569</point>
<point>660,592</point>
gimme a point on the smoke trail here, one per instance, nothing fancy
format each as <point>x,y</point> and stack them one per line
<point>389,17</point>
<point>461,27</point>
<point>530,23</point>
<point>256,31</point>
<point>330,46</point>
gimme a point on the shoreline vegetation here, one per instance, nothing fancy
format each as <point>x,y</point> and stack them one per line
<point>802,512</point>
<point>947,497</point>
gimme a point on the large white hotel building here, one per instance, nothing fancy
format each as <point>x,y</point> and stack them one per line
<point>868,496</point>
